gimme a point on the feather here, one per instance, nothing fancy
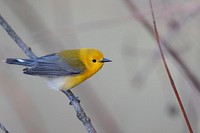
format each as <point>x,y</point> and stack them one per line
<point>52,66</point>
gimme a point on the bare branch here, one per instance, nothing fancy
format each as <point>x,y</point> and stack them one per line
<point>3,128</point>
<point>16,38</point>
<point>73,100</point>
<point>80,112</point>
<point>168,71</point>
<point>140,17</point>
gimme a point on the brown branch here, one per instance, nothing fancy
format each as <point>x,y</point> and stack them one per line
<point>168,71</point>
<point>73,100</point>
<point>136,14</point>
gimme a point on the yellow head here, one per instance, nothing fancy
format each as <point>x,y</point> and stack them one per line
<point>88,59</point>
<point>92,59</point>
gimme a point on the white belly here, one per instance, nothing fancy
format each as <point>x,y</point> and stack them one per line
<point>56,83</point>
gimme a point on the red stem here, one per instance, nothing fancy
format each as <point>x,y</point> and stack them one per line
<point>168,72</point>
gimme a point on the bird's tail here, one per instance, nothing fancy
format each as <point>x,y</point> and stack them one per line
<point>18,61</point>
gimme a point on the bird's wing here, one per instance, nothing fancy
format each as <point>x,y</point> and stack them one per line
<point>52,66</point>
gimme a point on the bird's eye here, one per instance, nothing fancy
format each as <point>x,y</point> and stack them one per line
<point>94,60</point>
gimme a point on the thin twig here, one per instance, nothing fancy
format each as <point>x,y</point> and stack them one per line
<point>16,38</point>
<point>80,112</point>
<point>73,100</point>
<point>168,71</point>
<point>3,128</point>
<point>140,17</point>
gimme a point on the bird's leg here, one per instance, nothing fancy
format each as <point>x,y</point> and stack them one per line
<point>72,98</point>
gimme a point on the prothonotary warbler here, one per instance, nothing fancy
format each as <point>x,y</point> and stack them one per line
<point>66,69</point>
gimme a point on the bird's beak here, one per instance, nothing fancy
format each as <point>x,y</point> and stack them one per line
<point>105,60</point>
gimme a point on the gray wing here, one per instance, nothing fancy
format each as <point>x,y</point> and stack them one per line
<point>51,66</point>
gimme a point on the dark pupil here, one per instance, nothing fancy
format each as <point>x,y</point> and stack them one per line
<point>94,60</point>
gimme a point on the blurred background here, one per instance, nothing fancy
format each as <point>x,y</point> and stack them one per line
<point>130,95</point>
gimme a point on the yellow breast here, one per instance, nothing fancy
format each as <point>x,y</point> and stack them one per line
<point>76,80</point>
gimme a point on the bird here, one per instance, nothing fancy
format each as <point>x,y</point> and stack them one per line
<point>66,69</point>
